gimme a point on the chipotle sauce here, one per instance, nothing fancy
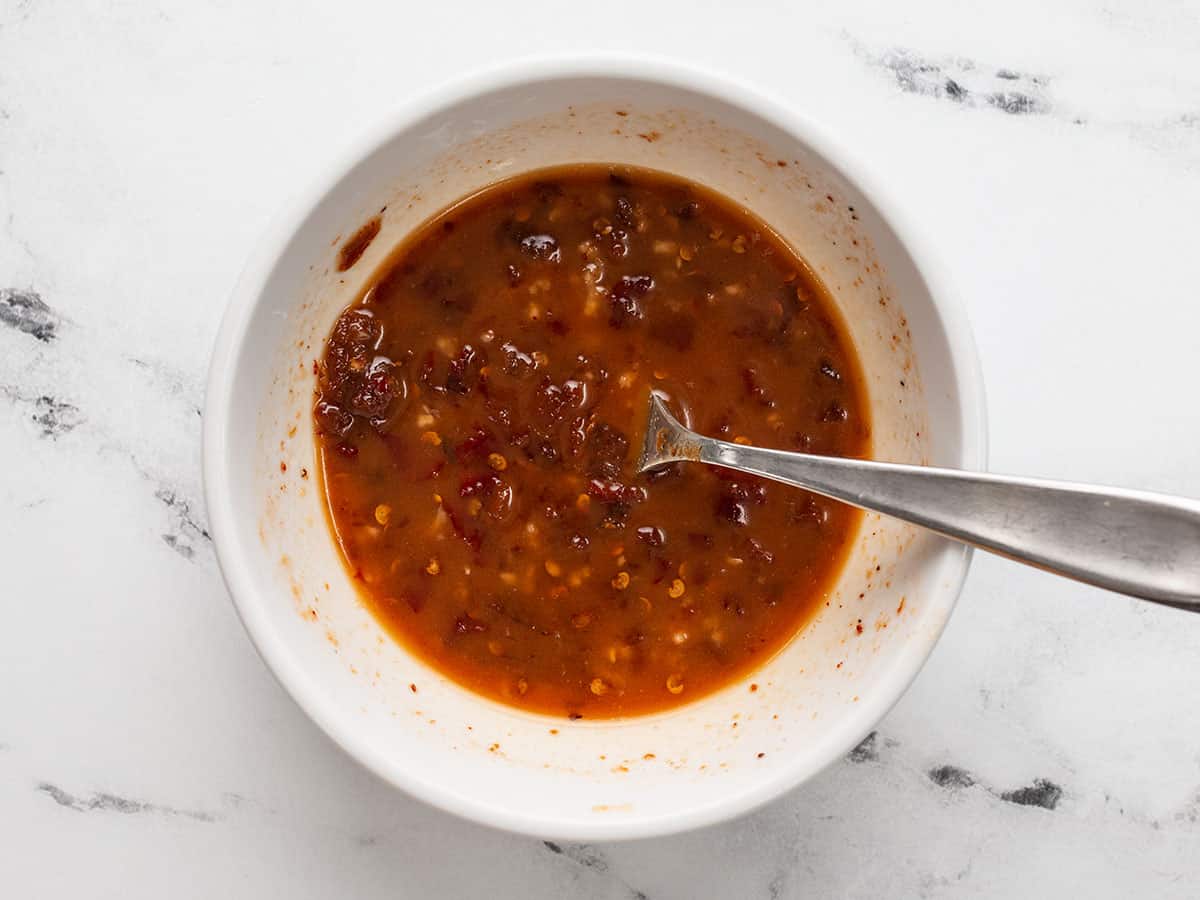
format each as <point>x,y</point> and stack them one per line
<point>476,417</point>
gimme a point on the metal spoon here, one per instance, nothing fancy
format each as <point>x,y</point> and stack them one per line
<point>1134,542</point>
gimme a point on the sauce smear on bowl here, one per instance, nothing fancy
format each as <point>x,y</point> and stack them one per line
<point>477,413</point>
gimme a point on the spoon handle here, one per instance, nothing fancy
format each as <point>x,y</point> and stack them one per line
<point>1134,542</point>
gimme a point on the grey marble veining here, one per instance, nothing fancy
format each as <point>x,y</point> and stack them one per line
<point>963,81</point>
<point>1052,156</point>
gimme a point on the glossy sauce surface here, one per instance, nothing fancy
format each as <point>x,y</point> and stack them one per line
<point>477,411</point>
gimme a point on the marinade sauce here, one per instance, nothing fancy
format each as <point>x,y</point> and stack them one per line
<point>476,414</point>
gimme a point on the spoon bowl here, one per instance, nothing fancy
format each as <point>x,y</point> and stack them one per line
<point>1133,542</point>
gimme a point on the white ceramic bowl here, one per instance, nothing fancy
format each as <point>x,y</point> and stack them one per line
<point>707,761</point>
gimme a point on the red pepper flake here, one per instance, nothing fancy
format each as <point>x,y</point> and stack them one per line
<point>614,491</point>
<point>482,485</point>
<point>354,248</point>
<point>835,413</point>
<point>760,755</point>
<point>651,536</point>
<point>477,444</point>
<point>413,688</point>
<point>858,627</point>
<point>467,624</point>
<point>753,688</point>
<point>282,466</point>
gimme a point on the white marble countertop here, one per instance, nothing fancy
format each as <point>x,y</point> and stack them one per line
<point>1051,745</point>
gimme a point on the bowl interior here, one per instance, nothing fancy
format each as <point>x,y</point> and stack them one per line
<point>707,760</point>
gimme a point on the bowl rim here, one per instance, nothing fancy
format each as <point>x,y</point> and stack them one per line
<point>233,559</point>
